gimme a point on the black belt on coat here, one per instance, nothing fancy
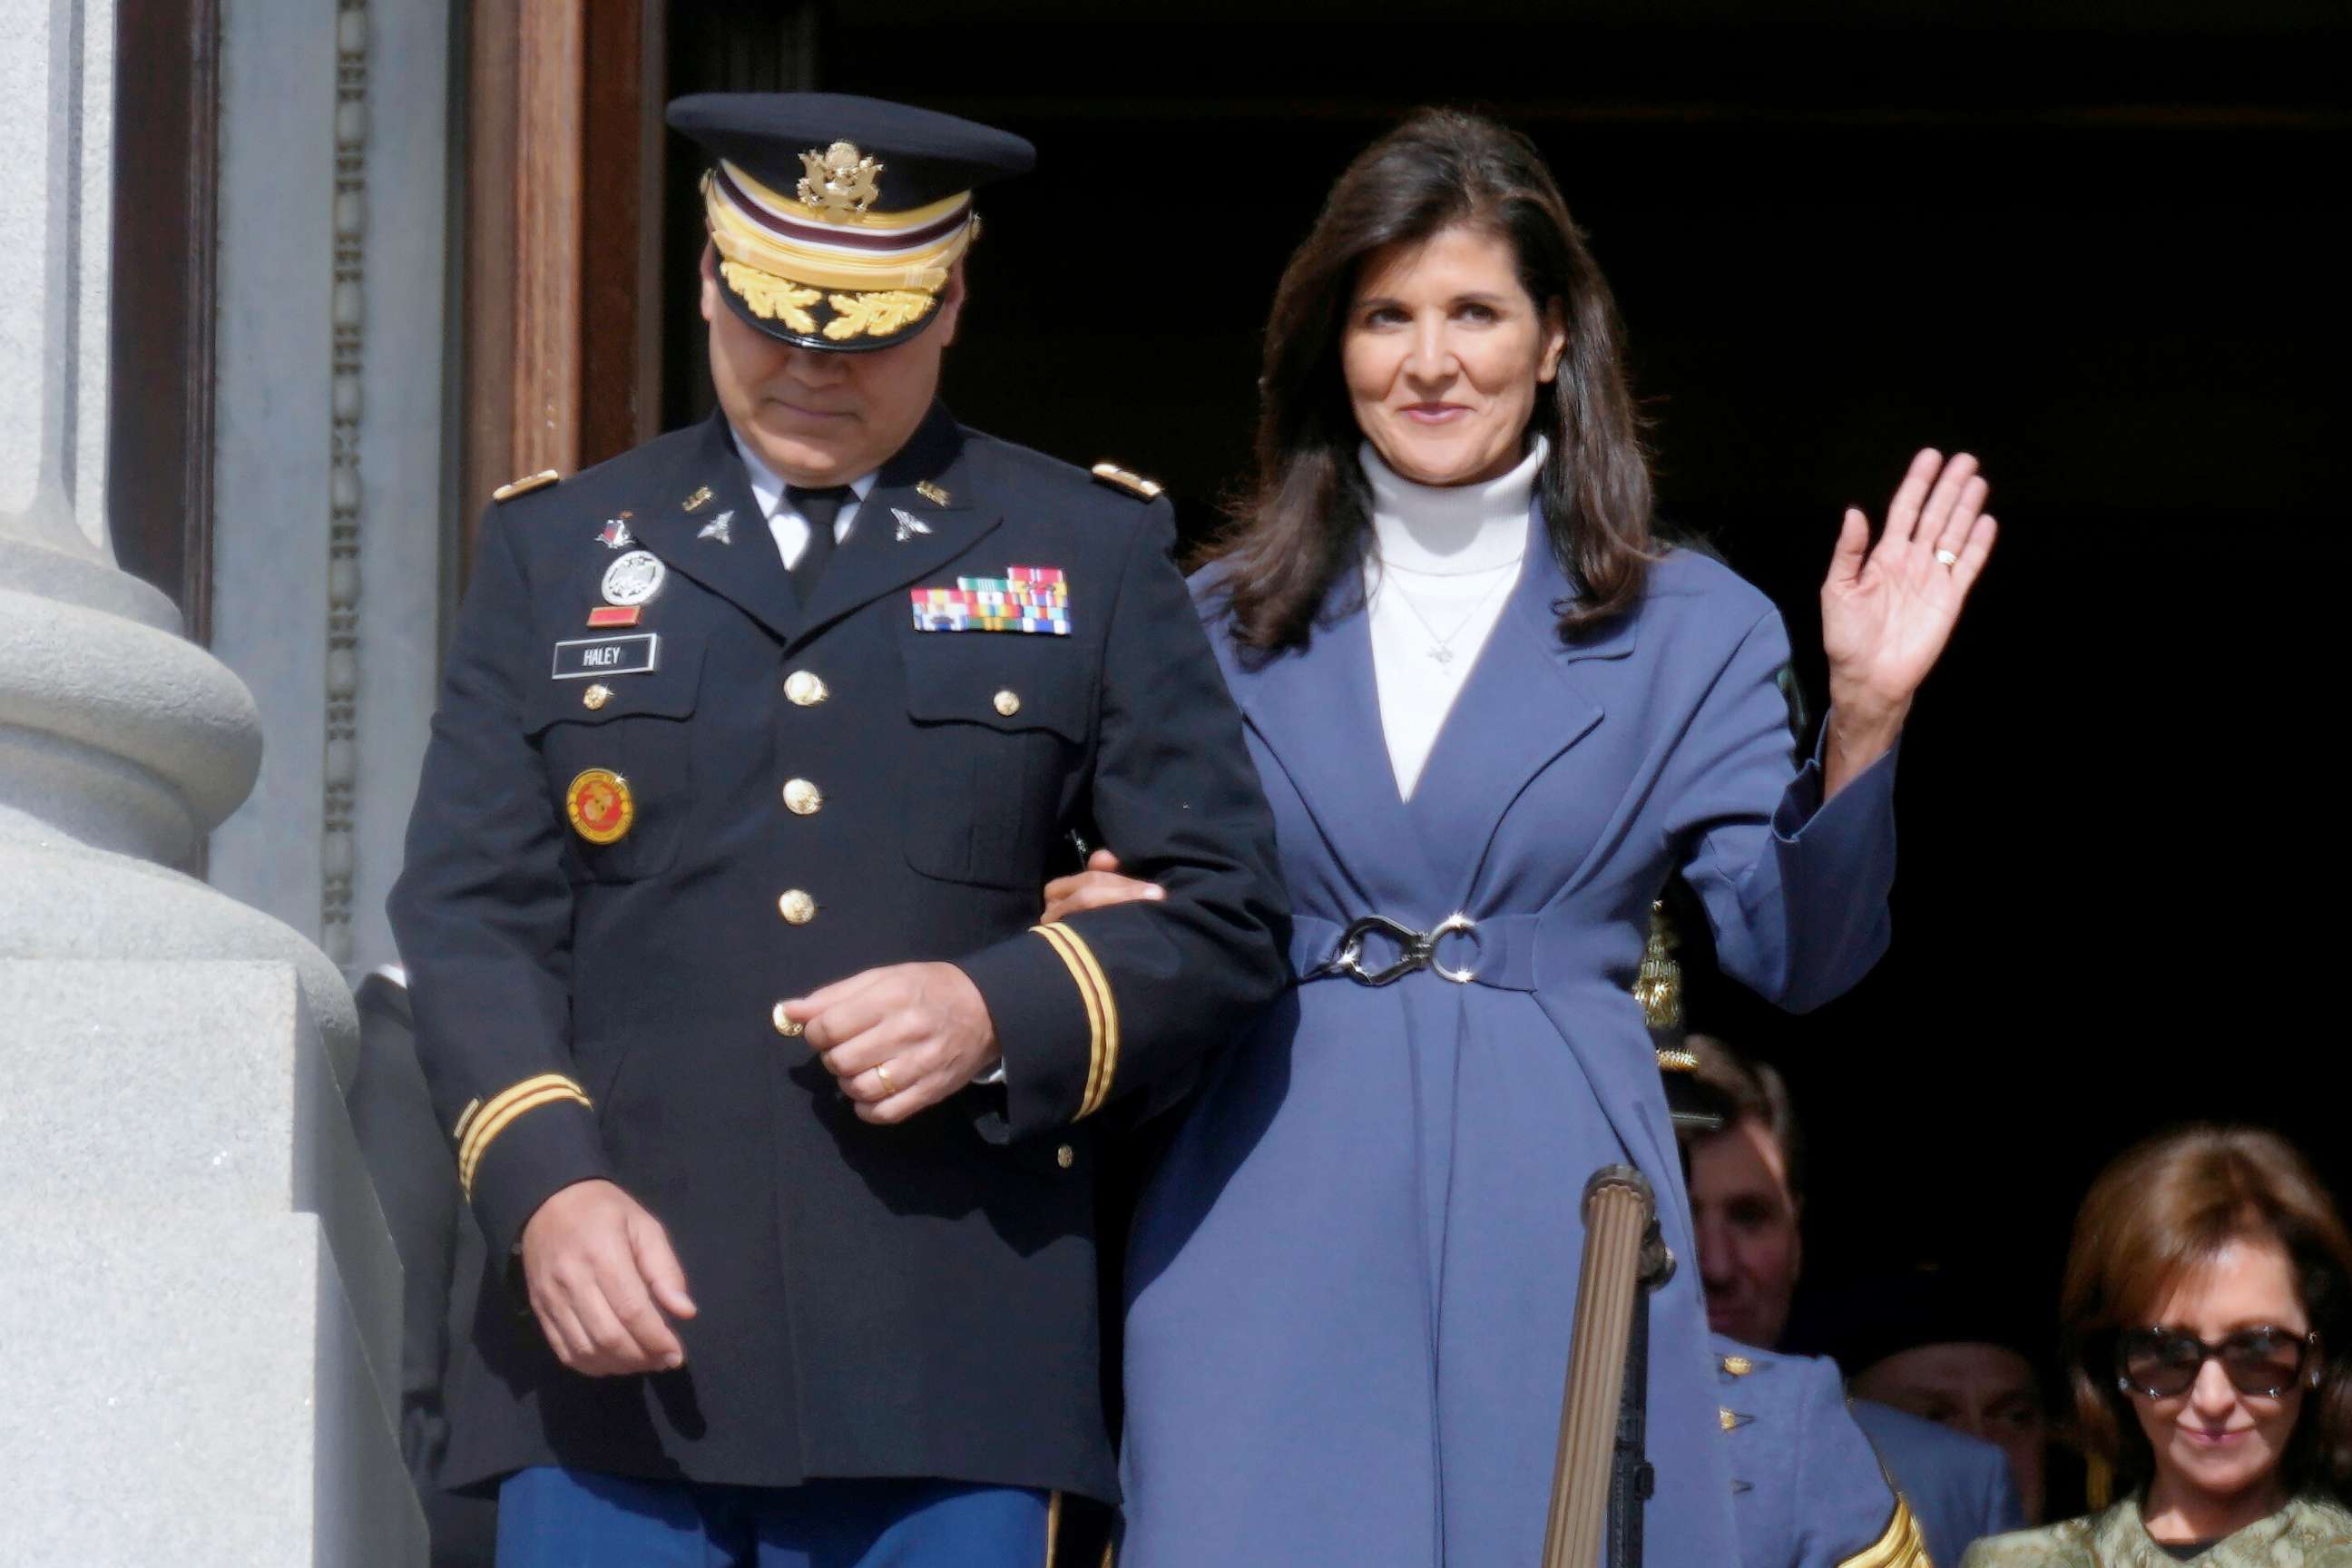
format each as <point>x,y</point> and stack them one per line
<point>1375,950</point>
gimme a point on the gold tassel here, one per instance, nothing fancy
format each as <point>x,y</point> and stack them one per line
<point>1658,983</point>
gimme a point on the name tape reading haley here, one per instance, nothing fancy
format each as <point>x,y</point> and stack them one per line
<point>581,657</point>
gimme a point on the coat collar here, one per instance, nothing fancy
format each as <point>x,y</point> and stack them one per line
<point>1317,709</point>
<point>1525,702</point>
<point>2120,1537</point>
<point>882,552</point>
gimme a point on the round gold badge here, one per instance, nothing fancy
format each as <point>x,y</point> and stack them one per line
<point>600,805</point>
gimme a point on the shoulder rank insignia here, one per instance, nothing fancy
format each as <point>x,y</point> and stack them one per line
<point>1133,483</point>
<point>524,485</point>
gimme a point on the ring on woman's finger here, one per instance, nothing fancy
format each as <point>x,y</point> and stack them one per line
<point>883,1073</point>
<point>1946,559</point>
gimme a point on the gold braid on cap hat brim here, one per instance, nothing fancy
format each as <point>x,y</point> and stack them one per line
<point>781,281</point>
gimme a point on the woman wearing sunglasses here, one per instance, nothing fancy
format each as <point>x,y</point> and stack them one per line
<point>2208,1312</point>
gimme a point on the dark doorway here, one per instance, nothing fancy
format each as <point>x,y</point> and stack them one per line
<point>2087,241</point>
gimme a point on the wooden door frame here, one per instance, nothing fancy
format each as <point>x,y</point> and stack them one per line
<point>160,347</point>
<point>562,175</point>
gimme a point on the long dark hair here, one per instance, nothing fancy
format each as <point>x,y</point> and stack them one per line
<point>1300,523</point>
<point>2169,1205</point>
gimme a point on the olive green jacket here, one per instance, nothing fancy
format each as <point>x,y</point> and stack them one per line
<point>2308,1533</point>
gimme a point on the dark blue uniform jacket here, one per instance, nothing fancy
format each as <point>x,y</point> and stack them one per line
<point>909,1301</point>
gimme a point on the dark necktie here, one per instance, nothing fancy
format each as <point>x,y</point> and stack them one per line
<point>818,508</point>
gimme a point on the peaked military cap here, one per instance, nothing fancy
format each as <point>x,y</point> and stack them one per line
<point>838,219</point>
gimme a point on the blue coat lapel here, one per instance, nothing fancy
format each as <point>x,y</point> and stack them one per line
<point>1318,711</point>
<point>1522,706</point>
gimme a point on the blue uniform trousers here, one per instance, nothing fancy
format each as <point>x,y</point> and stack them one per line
<point>554,1518</point>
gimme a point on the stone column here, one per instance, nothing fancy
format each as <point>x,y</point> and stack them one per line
<point>201,1308</point>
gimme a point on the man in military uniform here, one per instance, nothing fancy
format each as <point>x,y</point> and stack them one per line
<point>722,905</point>
<point>1742,1153</point>
<point>1808,1488</point>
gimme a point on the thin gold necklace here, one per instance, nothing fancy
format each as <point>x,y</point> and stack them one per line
<point>1442,648</point>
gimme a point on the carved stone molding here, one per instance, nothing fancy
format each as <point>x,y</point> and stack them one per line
<point>338,849</point>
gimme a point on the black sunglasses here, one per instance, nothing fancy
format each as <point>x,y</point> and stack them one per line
<point>2163,1363</point>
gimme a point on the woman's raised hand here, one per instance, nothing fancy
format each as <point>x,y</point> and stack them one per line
<point>1098,886</point>
<point>1888,609</point>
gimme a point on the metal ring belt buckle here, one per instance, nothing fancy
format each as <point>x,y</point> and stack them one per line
<point>1416,950</point>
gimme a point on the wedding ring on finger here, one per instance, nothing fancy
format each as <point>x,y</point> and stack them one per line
<point>1946,559</point>
<point>889,1087</point>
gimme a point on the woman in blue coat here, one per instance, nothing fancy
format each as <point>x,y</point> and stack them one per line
<point>1485,704</point>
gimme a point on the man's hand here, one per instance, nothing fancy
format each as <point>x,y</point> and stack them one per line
<point>601,1274</point>
<point>901,1038</point>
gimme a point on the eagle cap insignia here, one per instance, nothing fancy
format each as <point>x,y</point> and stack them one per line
<point>840,181</point>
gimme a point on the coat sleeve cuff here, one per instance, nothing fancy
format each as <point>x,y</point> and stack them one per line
<point>1869,794</point>
<point>1057,1023</point>
<point>522,1146</point>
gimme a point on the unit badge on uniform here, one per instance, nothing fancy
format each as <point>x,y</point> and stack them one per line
<point>908,526</point>
<point>615,534</point>
<point>635,578</point>
<point>718,529</point>
<point>600,805</point>
<point>1025,599</point>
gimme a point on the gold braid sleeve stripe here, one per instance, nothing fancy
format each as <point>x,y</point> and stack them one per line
<point>476,1109</point>
<point>1102,1012</point>
<point>1054,935</point>
<point>1901,1547</point>
<point>492,1126</point>
<point>502,1108</point>
<point>1086,955</point>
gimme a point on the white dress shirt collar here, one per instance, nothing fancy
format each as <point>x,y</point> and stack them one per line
<point>785,524</point>
<point>768,488</point>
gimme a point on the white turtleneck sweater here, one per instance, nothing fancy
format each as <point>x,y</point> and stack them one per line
<point>1443,563</point>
